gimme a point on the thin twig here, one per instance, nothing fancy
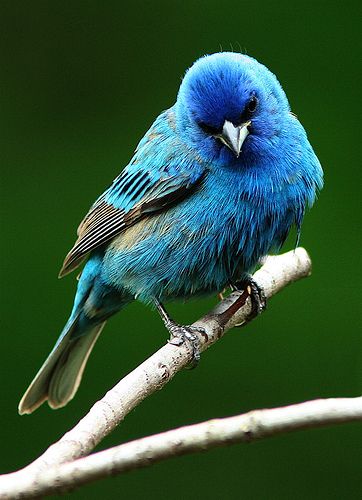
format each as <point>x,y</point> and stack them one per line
<point>144,452</point>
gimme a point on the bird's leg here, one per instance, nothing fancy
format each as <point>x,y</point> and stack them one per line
<point>257,296</point>
<point>181,333</point>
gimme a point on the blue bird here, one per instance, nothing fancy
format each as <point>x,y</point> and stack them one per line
<point>215,184</point>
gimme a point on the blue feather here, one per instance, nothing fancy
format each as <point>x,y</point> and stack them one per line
<point>195,209</point>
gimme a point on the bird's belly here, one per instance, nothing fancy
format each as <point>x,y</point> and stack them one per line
<point>166,256</point>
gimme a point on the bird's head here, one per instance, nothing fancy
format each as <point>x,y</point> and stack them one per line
<point>229,106</point>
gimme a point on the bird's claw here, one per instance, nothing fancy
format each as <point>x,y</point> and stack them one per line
<point>186,333</point>
<point>257,297</point>
<point>182,333</point>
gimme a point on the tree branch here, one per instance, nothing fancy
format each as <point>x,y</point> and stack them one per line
<point>156,371</point>
<point>144,452</point>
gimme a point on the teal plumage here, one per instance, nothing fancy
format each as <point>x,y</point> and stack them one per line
<point>215,184</point>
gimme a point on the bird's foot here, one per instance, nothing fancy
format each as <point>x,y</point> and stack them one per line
<point>186,333</point>
<point>257,296</point>
<point>182,333</point>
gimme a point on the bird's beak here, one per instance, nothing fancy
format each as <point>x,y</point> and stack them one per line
<point>233,137</point>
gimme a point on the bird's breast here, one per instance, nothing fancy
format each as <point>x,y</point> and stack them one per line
<point>199,245</point>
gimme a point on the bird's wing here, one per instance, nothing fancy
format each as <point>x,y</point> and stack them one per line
<point>137,192</point>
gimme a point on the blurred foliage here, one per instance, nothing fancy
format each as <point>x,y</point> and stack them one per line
<point>81,82</point>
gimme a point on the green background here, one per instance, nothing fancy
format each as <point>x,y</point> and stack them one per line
<point>81,82</point>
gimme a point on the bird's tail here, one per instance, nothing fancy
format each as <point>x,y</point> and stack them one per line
<point>58,379</point>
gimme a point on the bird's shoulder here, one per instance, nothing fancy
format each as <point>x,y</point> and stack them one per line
<point>162,171</point>
<point>161,158</point>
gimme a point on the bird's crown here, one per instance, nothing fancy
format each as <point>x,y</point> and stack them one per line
<point>229,86</point>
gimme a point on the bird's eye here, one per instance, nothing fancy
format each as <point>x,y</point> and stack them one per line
<point>252,104</point>
<point>209,129</point>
